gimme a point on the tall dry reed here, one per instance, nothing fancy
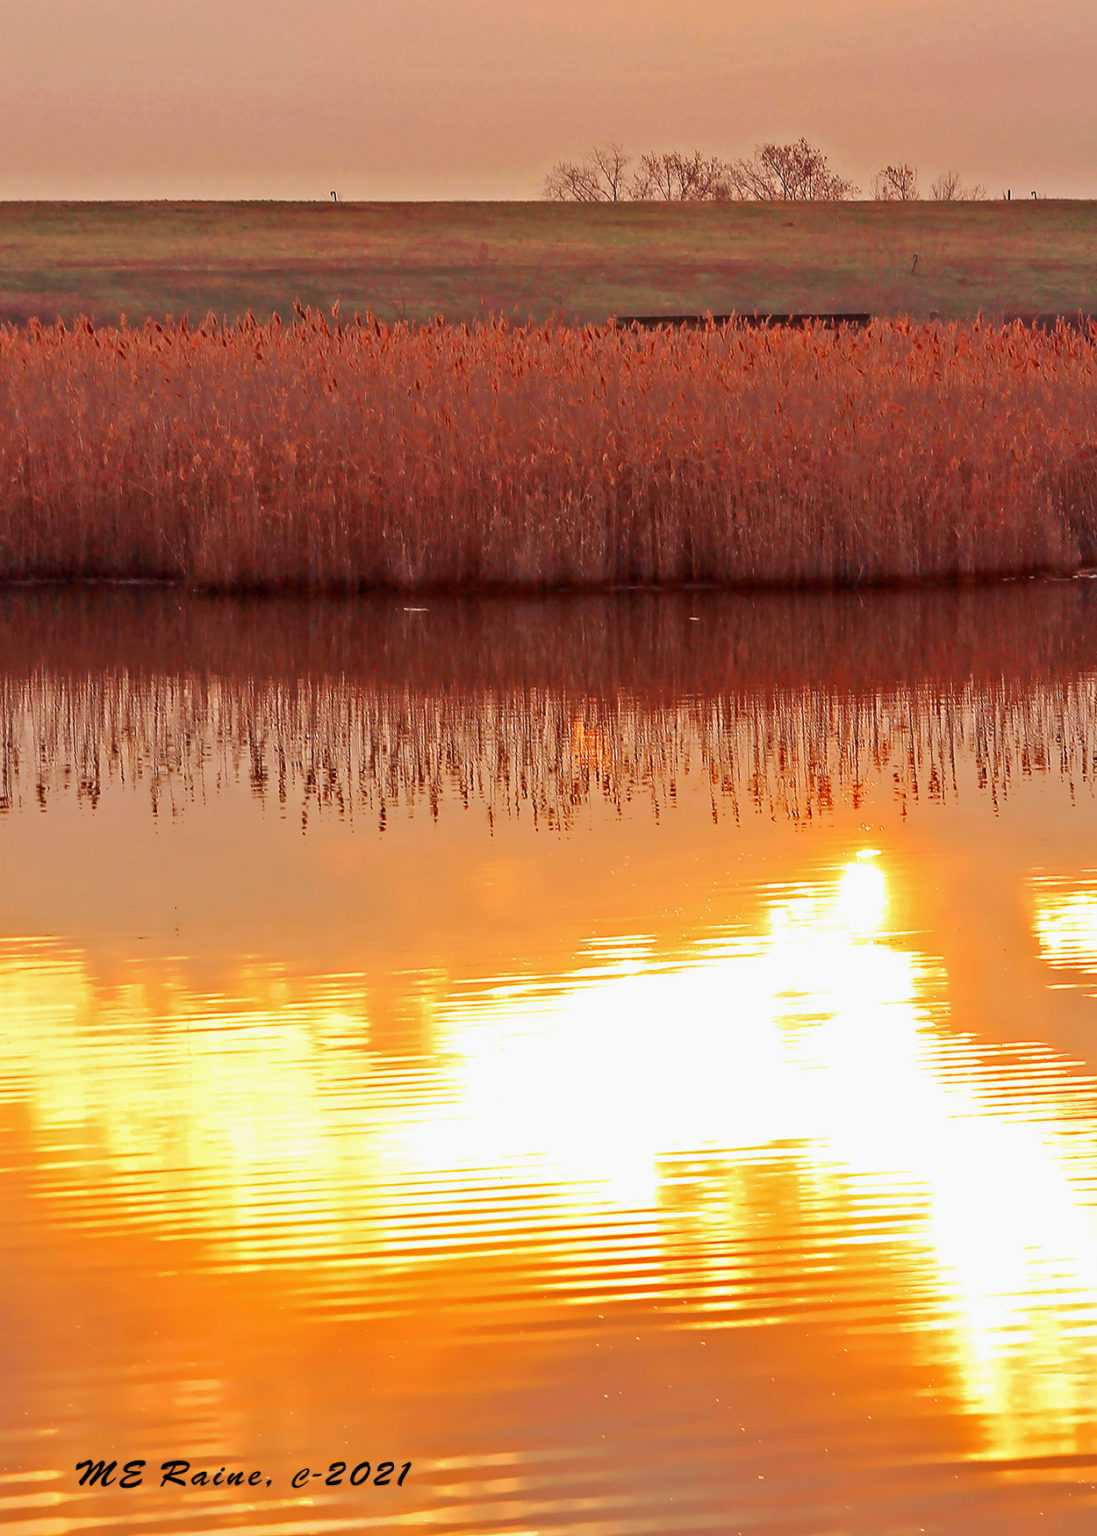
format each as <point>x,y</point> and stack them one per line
<point>364,455</point>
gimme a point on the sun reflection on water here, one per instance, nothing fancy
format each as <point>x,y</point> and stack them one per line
<point>818,1030</point>
<point>1065,920</point>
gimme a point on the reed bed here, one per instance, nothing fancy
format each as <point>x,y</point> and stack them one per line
<point>329,456</point>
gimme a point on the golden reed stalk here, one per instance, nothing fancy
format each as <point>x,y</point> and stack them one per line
<point>327,456</point>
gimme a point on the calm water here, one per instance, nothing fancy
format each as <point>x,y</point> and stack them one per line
<point>633,1059</point>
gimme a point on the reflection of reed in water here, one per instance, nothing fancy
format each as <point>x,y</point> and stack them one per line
<point>786,704</point>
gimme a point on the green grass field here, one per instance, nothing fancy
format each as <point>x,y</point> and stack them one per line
<point>535,260</point>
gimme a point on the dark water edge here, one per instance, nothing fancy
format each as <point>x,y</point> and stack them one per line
<point>636,640</point>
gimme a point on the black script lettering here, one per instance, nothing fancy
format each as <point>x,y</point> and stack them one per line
<point>173,1472</point>
<point>101,1472</point>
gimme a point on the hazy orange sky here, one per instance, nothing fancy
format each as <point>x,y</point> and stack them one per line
<point>477,98</point>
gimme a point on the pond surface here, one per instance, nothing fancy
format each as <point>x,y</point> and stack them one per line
<point>632,1058</point>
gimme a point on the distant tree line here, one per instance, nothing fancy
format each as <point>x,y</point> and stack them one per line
<point>795,172</point>
<point>899,184</point>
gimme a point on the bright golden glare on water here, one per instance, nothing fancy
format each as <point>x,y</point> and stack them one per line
<point>689,1124</point>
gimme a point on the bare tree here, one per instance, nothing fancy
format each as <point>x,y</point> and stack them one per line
<point>677,178</point>
<point>789,173</point>
<point>598,178</point>
<point>796,172</point>
<point>896,184</point>
<point>947,188</point>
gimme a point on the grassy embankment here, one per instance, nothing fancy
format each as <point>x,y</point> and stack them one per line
<point>538,260</point>
<point>263,456</point>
